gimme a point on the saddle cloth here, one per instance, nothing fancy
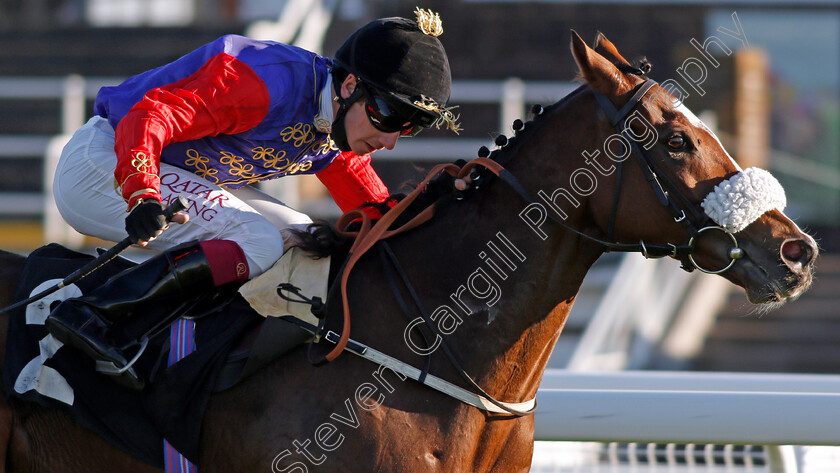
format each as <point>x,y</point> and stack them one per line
<point>37,368</point>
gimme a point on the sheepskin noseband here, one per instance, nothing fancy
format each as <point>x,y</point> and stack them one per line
<point>743,198</point>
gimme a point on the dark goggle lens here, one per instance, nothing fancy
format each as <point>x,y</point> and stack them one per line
<point>385,119</point>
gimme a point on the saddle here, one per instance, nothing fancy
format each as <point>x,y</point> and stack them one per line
<point>233,342</point>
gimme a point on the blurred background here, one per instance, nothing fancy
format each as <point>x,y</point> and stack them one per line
<point>773,99</point>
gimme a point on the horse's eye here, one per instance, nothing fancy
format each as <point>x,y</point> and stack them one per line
<point>677,142</point>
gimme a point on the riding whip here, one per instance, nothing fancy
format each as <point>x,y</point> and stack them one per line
<point>179,204</point>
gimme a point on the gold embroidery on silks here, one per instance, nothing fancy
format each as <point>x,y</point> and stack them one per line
<point>200,164</point>
<point>324,146</point>
<point>236,166</point>
<point>299,134</point>
<point>141,162</point>
<point>278,161</point>
<point>271,157</point>
<point>299,167</point>
<point>273,160</point>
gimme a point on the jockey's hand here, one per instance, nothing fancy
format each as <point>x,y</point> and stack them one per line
<point>146,221</point>
<point>180,218</point>
<point>463,183</point>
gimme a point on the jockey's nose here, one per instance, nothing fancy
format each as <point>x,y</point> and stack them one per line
<point>389,140</point>
<point>798,254</point>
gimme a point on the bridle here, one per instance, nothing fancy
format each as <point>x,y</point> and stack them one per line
<point>681,208</point>
<point>667,193</point>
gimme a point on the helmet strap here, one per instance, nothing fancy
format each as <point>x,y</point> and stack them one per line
<point>339,130</point>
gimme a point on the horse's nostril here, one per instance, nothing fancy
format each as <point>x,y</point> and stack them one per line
<point>796,251</point>
<point>792,250</point>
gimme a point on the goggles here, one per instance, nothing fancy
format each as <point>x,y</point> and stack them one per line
<point>384,117</point>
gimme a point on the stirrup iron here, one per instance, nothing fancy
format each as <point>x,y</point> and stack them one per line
<point>125,375</point>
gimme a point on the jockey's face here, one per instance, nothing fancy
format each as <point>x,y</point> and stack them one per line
<point>363,137</point>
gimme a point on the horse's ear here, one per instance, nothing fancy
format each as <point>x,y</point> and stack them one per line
<point>607,49</point>
<point>598,71</point>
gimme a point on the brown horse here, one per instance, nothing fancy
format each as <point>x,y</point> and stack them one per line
<point>502,273</point>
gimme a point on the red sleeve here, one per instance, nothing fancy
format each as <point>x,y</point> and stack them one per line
<point>224,96</point>
<point>351,181</point>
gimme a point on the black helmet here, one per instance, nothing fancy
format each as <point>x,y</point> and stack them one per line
<point>404,61</point>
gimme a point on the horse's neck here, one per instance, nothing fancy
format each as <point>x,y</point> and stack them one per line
<point>517,348</point>
<point>503,292</point>
<point>498,290</point>
<point>517,341</point>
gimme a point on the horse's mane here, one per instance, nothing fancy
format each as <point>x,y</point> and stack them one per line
<point>320,239</point>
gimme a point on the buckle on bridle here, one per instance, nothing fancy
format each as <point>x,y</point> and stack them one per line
<point>735,253</point>
<point>674,250</point>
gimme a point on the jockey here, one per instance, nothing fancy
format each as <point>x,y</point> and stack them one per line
<point>229,114</point>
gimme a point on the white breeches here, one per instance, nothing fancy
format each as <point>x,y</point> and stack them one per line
<point>86,196</point>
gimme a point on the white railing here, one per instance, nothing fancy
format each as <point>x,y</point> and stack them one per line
<point>73,91</point>
<point>619,457</point>
<point>628,326</point>
<point>688,407</point>
<point>772,410</point>
<point>303,23</point>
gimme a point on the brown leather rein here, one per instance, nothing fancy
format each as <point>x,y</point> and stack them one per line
<point>684,212</point>
<point>368,235</point>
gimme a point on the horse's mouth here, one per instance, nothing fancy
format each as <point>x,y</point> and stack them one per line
<point>763,288</point>
<point>769,294</point>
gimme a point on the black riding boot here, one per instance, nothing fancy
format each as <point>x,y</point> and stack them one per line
<point>141,296</point>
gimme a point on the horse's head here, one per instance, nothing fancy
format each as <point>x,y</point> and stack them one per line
<point>667,182</point>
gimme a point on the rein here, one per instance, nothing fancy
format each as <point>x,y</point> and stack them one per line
<point>366,238</point>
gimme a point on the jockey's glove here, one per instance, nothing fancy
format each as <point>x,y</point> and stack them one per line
<point>146,220</point>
